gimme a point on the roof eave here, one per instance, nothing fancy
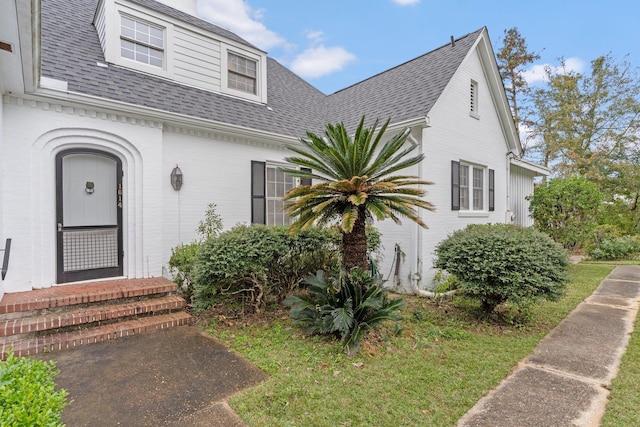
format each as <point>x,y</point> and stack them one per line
<point>539,170</point>
<point>182,120</point>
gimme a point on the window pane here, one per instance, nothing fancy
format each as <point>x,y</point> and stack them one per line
<point>128,23</point>
<point>128,32</point>
<point>144,36</point>
<point>464,198</point>
<point>242,73</point>
<point>478,189</point>
<point>464,187</point>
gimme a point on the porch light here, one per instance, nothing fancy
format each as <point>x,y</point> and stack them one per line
<point>176,178</point>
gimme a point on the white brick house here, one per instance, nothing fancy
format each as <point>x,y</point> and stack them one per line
<point>102,99</point>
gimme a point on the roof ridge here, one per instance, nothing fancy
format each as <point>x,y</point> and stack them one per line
<point>409,61</point>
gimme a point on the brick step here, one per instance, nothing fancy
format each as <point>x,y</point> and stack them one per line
<point>89,314</point>
<point>96,334</point>
<point>14,304</point>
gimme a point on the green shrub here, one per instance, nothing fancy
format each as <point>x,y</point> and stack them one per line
<point>258,263</point>
<point>183,256</point>
<point>616,248</point>
<point>499,263</point>
<point>346,307</point>
<point>566,209</point>
<point>27,393</point>
<point>181,264</point>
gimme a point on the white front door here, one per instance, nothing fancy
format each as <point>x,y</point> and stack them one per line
<point>89,215</point>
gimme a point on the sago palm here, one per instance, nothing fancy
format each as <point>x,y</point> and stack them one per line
<point>353,181</point>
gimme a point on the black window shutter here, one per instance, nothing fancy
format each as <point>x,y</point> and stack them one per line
<point>305,181</point>
<point>492,191</point>
<point>455,185</point>
<point>258,200</point>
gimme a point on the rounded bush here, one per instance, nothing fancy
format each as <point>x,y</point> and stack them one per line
<point>27,393</point>
<point>496,263</point>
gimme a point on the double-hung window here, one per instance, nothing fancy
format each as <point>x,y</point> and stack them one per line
<point>242,73</point>
<point>268,187</point>
<point>469,187</point>
<point>141,41</point>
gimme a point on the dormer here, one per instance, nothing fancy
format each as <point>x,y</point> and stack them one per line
<point>153,38</point>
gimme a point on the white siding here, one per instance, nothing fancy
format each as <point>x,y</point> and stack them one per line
<point>101,25</point>
<point>216,169</point>
<point>455,135</point>
<point>196,59</point>
<point>32,135</point>
<point>521,187</point>
<point>3,234</point>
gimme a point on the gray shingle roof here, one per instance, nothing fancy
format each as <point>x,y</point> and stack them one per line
<point>70,50</point>
<point>169,11</point>
<point>404,92</point>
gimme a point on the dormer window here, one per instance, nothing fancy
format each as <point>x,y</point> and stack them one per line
<point>141,42</point>
<point>242,73</point>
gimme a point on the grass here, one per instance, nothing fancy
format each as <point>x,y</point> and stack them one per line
<point>623,408</point>
<point>427,370</point>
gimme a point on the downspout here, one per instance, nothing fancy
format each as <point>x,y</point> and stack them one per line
<point>508,214</point>
<point>417,244</point>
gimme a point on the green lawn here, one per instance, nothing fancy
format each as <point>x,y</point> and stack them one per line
<point>428,370</point>
<point>623,408</point>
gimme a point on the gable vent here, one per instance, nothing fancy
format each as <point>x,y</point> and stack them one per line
<point>6,46</point>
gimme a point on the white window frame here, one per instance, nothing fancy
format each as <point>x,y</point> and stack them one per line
<point>236,64</point>
<point>261,73</point>
<point>135,42</point>
<point>468,190</point>
<point>113,31</point>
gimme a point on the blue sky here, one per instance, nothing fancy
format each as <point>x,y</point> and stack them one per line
<point>334,44</point>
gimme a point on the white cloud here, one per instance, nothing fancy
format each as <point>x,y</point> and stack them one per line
<point>406,2</point>
<point>537,72</point>
<point>320,60</point>
<point>239,17</point>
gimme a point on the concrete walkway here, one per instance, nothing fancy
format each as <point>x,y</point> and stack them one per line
<point>565,381</point>
<point>173,377</point>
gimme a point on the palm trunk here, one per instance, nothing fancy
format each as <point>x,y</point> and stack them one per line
<point>354,245</point>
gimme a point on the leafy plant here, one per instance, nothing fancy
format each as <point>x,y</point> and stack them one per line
<point>183,256</point>
<point>181,267</point>
<point>258,263</point>
<point>346,307</point>
<point>496,263</point>
<point>211,225</point>
<point>27,393</point>
<point>354,182</point>
<point>566,210</point>
<point>616,248</point>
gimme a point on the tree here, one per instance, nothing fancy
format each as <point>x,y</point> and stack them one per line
<point>566,209</point>
<point>355,182</point>
<point>587,124</point>
<point>513,58</point>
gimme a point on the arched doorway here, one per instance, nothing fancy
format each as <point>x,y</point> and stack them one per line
<point>88,215</point>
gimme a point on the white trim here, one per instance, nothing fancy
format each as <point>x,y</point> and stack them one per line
<point>261,73</point>
<point>485,188</point>
<point>156,115</point>
<point>525,164</point>
<point>113,34</point>
<point>473,214</point>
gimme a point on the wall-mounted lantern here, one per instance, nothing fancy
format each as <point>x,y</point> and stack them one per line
<point>176,178</point>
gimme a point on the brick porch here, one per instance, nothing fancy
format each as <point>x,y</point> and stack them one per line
<point>67,316</point>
